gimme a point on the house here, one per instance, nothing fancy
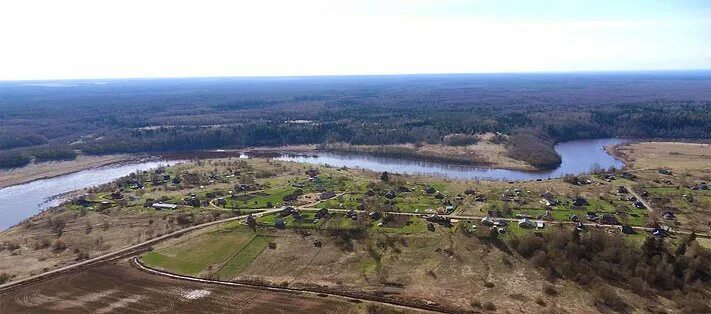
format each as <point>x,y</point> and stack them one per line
<point>639,204</point>
<point>221,201</point>
<point>160,206</point>
<point>439,196</point>
<point>627,229</point>
<point>352,214</point>
<point>390,195</point>
<point>436,218</point>
<point>659,232</point>
<point>430,190</point>
<point>622,189</point>
<point>449,209</point>
<point>574,218</point>
<point>470,192</point>
<point>321,213</point>
<point>540,224</point>
<point>374,215</point>
<point>487,221</point>
<point>327,195</point>
<point>525,223</point>
<point>287,211</point>
<point>580,201</point>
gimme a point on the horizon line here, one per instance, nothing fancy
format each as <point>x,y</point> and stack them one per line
<point>360,75</point>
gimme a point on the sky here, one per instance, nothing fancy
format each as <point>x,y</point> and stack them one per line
<point>73,39</point>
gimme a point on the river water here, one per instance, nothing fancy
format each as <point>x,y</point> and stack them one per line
<point>19,202</point>
<point>577,157</point>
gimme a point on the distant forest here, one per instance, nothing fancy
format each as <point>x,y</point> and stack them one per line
<point>51,120</point>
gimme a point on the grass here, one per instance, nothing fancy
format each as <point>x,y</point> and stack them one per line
<point>261,199</point>
<point>197,254</point>
<point>244,257</point>
<point>413,225</point>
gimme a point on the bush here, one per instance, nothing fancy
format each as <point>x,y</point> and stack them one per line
<point>595,256</point>
<point>460,139</point>
<point>4,277</point>
<point>59,246</point>
<point>55,153</point>
<point>606,295</point>
<point>533,151</point>
<point>550,290</point>
<point>540,301</point>
<point>489,306</point>
<point>13,160</point>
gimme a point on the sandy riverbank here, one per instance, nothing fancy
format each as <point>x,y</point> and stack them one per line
<point>46,170</point>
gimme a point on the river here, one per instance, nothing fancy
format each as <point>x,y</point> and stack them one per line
<point>577,157</point>
<point>22,201</point>
<point>26,200</point>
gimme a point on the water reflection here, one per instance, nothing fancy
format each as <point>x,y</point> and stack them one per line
<point>22,201</point>
<point>577,157</point>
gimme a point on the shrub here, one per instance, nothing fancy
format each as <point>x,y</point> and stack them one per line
<point>489,306</point>
<point>55,153</point>
<point>4,277</point>
<point>534,151</point>
<point>606,295</point>
<point>550,290</point>
<point>13,160</point>
<point>59,246</point>
<point>540,301</point>
<point>460,139</point>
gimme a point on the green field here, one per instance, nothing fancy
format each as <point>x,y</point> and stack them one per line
<point>243,257</point>
<point>196,255</point>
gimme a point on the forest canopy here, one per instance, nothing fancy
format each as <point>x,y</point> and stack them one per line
<point>157,115</point>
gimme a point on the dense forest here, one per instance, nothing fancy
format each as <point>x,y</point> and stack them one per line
<point>159,115</point>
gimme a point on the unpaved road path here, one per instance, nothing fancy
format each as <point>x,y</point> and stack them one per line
<point>124,250</point>
<point>344,296</point>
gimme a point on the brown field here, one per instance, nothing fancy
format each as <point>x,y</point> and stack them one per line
<point>689,164</point>
<point>444,266</point>
<point>673,155</point>
<point>120,288</point>
<point>50,169</point>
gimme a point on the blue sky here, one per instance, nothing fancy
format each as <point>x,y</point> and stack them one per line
<point>45,39</point>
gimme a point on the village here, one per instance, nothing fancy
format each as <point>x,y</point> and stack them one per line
<point>385,231</point>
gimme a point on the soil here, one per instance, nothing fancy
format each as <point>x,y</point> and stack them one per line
<point>119,287</point>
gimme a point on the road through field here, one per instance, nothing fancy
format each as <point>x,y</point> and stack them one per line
<point>124,250</point>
